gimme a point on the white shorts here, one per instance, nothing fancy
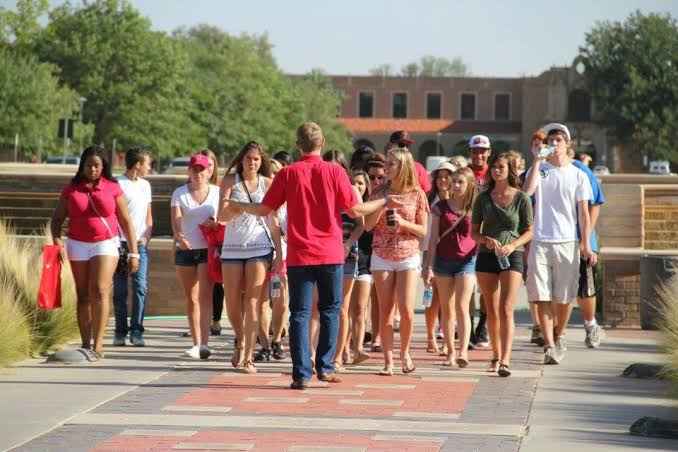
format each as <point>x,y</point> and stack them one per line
<point>553,272</point>
<point>367,278</point>
<point>411,263</point>
<point>84,251</point>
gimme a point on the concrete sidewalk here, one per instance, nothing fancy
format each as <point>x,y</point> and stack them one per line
<point>153,399</point>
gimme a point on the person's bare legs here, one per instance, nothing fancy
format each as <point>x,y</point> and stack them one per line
<point>463,292</point>
<point>405,288</point>
<point>446,295</point>
<point>265,318</point>
<point>489,288</point>
<point>101,270</point>
<point>562,313</point>
<point>255,277</point>
<point>359,299</point>
<point>342,336</point>
<point>509,282</point>
<point>375,318</point>
<point>205,289</point>
<point>233,274</point>
<point>188,276</point>
<point>545,310</point>
<point>384,283</point>
<point>431,316</point>
<point>280,311</point>
<point>80,270</point>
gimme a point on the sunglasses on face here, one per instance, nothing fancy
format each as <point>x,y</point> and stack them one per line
<point>375,177</point>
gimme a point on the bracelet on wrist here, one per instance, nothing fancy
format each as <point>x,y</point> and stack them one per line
<point>132,256</point>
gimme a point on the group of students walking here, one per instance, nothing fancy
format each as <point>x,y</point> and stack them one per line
<point>328,237</point>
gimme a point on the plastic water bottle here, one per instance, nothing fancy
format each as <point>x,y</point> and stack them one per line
<point>546,152</point>
<point>504,263</point>
<point>276,285</point>
<point>428,297</point>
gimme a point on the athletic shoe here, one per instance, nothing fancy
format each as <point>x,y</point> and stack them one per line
<point>278,352</point>
<point>119,341</point>
<point>137,340</point>
<point>561,344</point>
<point>593,336</point>
<point>552,356</point>
<point>204,352</point>
<point>263,355</point>
<point>536,337</point>
<point>193,352</point>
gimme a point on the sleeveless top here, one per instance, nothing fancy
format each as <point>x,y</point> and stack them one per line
<point>247,235</point>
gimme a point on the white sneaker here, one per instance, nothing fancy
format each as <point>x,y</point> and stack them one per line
<point>552,356</point>
<point>593,336</point>
<point>204,352</point>
<point>193,352</point>
<point>561,344</point>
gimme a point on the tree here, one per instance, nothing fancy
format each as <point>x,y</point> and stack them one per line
<point>431,66</point>
<point>132,76</point>
<point>31,101</point>
<point>19,29</point>
<point>632,71</point>
<point>410,70</point>
<point>383,70</point>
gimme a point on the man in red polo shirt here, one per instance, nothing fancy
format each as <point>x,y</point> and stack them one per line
<point>316,192</point>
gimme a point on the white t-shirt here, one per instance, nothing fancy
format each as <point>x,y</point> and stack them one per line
<point>194,214</point>
<point>138,196</point>
<point>555,208</point>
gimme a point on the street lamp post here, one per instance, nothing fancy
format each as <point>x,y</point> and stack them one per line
<point>82,106</point>
<point>438,135</point>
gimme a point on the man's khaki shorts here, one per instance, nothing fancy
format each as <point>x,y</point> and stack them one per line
<point>553,272</point>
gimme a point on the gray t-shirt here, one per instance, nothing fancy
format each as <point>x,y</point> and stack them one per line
<point>502,224</point>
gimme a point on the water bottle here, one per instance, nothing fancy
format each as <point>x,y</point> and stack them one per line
<point>546,151</point>
<point>504,263</point>
<point>428,297</point>
<point>276,285</point>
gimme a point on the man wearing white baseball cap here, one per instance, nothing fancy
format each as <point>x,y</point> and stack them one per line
<point>481,149</point>
<point>561,193</point>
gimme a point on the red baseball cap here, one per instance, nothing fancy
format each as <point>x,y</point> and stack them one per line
<point>199,160</point>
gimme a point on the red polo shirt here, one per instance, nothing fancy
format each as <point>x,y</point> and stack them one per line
<point>316,192</point>
<point>482,176</point>
<point>84,223</point>
<point>422,177</point>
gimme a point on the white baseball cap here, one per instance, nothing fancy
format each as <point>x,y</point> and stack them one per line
<point>555,126</point>
<point>479,141</point>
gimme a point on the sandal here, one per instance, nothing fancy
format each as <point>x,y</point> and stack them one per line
<point>248,367</point>
<point>360,357</point>
<point>444,351</point>
<point>90,355</point>
<point>432,347</point>
<point>494,365</point>
<point>338,367</point>
<point>462,362</point>
<point>448,362</point>
<point>386,371</point>
<point>408,369</point>
<point>504,370</point>
<point>237,358</point>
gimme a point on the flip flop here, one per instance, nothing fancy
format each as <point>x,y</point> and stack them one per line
<point>462,362</point>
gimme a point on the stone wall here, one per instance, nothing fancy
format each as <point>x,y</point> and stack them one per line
<point>661,217</point>
<point>621,292</point>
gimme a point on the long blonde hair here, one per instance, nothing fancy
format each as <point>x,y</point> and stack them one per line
<point>468,197</point>
<point>406,179</point>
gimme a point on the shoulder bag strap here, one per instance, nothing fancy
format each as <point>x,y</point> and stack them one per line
<point>259,219</point>
<point>96,211</point>
<point>452,228</point>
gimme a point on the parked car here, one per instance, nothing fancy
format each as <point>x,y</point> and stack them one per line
<point>63,160</point>
<point>601,170</point>
<point>177,165</point>
<point>660,167</point>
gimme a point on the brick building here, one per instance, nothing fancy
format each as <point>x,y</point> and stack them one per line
<point>442,113</point>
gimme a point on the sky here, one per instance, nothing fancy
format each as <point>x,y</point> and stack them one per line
<point>509,38</point>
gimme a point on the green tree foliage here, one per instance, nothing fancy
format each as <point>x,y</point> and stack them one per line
<point>383,70</point>
<point>632,69</point>
<point>19,28</point>
<point>133,78</point>
<point>427,66</point>
<point>32,101</point>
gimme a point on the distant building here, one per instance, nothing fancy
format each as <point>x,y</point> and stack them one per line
<point>442,113</point>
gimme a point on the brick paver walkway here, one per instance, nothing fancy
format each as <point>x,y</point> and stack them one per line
<point>207,405</point>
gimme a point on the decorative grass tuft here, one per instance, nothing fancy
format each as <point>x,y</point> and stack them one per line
<point>668,324</point>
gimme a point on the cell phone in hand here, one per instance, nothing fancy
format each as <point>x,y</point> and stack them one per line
<point>390,220</point>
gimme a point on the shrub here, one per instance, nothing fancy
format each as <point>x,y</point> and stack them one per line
<point>15,335</point>
<point>669,327</point>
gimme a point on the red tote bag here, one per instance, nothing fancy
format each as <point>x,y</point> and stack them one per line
<point>215,238</point>
<point>49,293</point>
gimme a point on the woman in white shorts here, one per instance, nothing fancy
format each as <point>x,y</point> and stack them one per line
<point>94,204</point>
<point>396,259</point>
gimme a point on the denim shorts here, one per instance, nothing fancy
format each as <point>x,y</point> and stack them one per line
<point>266,258</point>
<point>451,267</point>
<point>351,267</point>
<point>190,258</point>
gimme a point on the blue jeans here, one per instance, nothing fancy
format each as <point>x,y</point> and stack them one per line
<point>139,291</point>
<point>329,279</point>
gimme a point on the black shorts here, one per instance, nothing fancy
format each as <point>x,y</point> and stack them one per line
<point>364,263</point>
<point>190,258</point>
<point>488,263</point>
<point>587,280</point>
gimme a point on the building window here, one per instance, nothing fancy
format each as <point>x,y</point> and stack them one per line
<point>502,107</point>
<point>468,106</point>
<point>433,105</point>
<point>579,106</point>
<point>366,105</point>
<point>400,105</point>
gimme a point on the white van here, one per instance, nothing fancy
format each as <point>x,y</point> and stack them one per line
<point>178,165</point>
<point>660,167</point>
<point>433,161</point>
